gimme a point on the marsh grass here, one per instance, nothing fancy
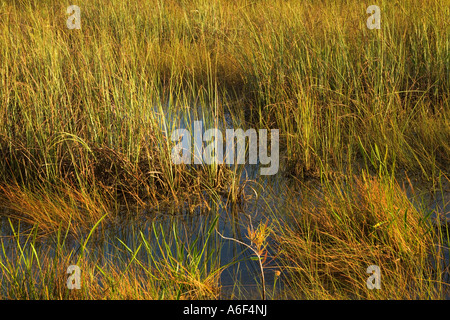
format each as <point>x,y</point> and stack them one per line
<point>328,241</point>
<point>100,115</point>
<point>82,104</point>
<point>86,114</point>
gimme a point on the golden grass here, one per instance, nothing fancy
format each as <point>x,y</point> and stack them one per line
<point>329,240</point>
<point>85,115</point>
<point>67,210</point>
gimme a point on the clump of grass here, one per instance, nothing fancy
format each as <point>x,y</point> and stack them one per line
<point>258,245</point>
<point>331,237</point>
<point>158,265</point>
<point>67,210</point>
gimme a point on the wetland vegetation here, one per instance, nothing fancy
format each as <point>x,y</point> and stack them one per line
<point>87,178</point>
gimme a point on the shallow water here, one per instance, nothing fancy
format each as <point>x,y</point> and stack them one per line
<point>242,277</point>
